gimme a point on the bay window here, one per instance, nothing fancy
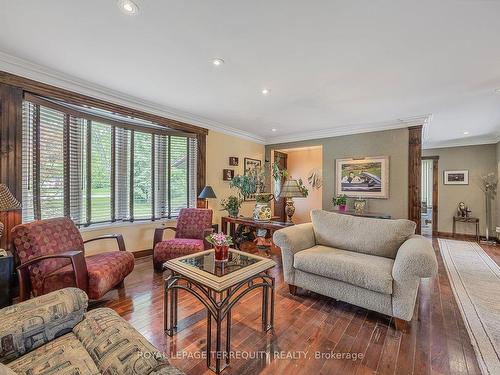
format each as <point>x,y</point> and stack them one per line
<point>98,167</point>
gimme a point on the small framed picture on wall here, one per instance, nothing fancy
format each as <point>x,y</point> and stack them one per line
<point>456,177</point>
<point>233,161</point>
<point>227,174</point>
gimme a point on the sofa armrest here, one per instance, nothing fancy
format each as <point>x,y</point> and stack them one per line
<point>291,240</point>
<point>30,324</point>
<point>415,259</point>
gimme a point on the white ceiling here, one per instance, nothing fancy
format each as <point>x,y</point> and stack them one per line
<point>333,67</point>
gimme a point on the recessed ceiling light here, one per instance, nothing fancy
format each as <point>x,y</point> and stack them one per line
<point>265,91</point>
<point>466,132</point>
<point>273,129</point>
<point>128,7</point>
<point>217,62</point>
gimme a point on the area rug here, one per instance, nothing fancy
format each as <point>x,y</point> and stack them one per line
<point>475,280</point>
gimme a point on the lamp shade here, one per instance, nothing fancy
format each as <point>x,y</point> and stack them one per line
<point>7,200</point>
<point>291,189</point>
<point>207,192</point>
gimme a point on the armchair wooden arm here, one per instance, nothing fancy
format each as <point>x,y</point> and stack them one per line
<point>77,261</point>
<point>206,233</point>
<point>158,237</point>
<point>117,237</point>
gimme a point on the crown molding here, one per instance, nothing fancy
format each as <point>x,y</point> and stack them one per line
<point>25,68</point>
<point>353,129</point>
<point>486,140</point>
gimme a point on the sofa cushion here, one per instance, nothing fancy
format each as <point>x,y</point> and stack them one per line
<point>30,324</point>
<point>62,355</point>
<point>364,235</point>
<point>117,348</point>
<point>363,270</point>
<point>105,270</point>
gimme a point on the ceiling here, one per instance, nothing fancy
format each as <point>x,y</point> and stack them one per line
<point>332,67</point>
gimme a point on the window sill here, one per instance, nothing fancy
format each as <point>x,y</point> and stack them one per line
<point>124,224</point>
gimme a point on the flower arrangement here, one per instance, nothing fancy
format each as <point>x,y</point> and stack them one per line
<point>219,239</point>
<point>340,200</point>
<point>221,244</point>
<point>489,184</point>
<point>232,205</point>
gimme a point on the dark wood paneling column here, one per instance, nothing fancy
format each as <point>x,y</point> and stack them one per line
<point>11,99</point>
<point>415,175</point>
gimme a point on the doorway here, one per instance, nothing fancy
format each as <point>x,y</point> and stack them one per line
<point>429,196</point>
<point>305,164</point>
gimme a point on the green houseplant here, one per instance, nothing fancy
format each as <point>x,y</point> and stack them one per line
<point>340,201</point>
<point>232,205</point>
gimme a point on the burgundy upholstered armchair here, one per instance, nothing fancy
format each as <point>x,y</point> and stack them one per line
<point>52,257</point>
<point>193,225</point>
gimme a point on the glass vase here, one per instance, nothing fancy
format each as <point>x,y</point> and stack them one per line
<point>221,253</point>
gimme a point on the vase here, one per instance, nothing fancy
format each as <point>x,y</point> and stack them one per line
<point>262,209</point>
<point>221,253</point>
<point>233,212</point>
<point>342,207</point>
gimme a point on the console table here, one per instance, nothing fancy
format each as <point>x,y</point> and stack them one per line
<point>373,215</point>
<point>272,226</point>
<point>460,219</point>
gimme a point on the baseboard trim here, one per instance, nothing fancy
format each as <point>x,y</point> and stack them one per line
<point>458,236</point>
<point>142,253</point>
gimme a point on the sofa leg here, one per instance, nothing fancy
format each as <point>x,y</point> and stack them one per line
<point>401,325</point>
<point>293,289</point>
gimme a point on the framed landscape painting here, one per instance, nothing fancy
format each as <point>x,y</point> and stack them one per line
<point>456,177</point>
<point>364,178</point>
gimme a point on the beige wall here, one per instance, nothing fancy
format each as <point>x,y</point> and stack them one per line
<point>299,163</point>
<point>219,148</point>
<point>139,235</point>
<point>479,160</point>
<point>392,143</point>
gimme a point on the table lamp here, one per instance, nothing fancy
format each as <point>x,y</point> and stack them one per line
<point>290,190</point>
<point>7,203</point>
<point>206,194</point>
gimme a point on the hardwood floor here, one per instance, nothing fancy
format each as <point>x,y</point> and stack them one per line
<point>436,342</point>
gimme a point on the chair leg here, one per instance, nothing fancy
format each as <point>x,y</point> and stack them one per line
<point>292,289</point>
<point>120,285</point>
<point>401,325</point>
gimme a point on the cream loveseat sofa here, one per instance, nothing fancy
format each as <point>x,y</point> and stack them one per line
<point>53,334</point>
<point>373,263</point>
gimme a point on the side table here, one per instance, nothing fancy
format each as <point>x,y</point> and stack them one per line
<point>474,220</point>
<point>6,273</point>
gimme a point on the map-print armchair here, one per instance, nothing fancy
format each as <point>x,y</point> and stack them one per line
<point>193,225</point>
<point>52,257</point>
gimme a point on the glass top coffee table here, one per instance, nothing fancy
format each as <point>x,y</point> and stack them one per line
<point>219,286</point>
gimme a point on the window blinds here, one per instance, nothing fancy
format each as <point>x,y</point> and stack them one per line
<point>94,172</point>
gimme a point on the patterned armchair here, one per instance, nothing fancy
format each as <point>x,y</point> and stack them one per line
<point>193,225</point>
<point>52,257</point>
<point>53,334</point>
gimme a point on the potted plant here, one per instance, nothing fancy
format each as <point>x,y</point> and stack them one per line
<point>232,205</point>
<point>253,183</point>
<point>221,243</point>
<point>340,201</point>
